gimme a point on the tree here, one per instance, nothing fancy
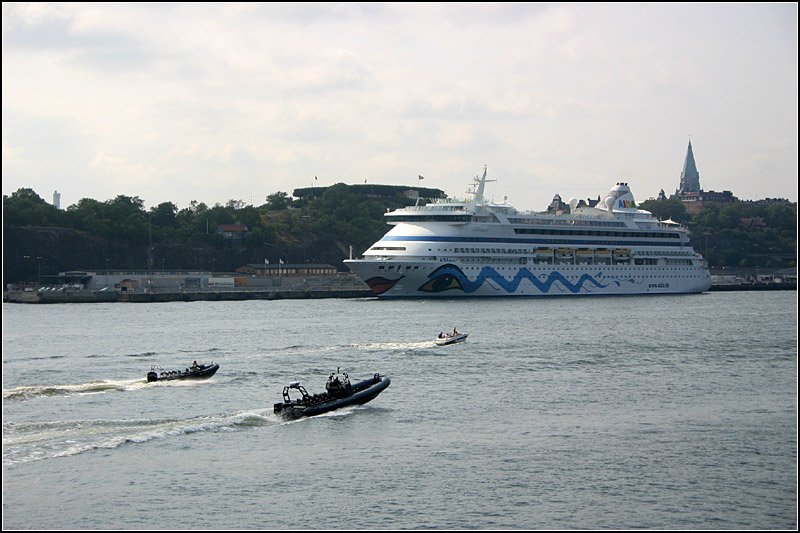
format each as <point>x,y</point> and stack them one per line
<point>729,216</point>
<point>219,215</point>
<point>278,201</point>
<point>26,208</point>
<point>707,217</point>
<point>164,215</point>
<point>249,216</point>
<point>666,209</point>
<point>235,205</point>
<point>781,217</point>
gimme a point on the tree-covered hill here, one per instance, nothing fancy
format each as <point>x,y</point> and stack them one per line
<point>739,234</point>
<point>316,225</point>
<point>40,240</point>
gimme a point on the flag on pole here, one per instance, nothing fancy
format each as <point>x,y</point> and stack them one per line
<point>365,181</point>
<point>315,178</point>
<point>280,261</point>
<point>421,177</point>
<point>266,261</point>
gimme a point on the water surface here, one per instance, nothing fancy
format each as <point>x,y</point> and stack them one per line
<point>674,412</point>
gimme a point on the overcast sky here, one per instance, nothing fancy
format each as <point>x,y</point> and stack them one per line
<point>218,102</point>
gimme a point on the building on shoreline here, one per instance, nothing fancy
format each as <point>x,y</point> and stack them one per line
<point>247,277</point>
<point>689,192</point>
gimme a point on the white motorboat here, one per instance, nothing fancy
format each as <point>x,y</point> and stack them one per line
<point>450,338</point>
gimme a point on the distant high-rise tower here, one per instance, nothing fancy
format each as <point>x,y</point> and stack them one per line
<point>57,200</point>
<point>690,178</point>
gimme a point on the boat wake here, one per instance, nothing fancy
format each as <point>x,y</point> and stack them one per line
<point>342,411</point>
<point>23,443</point>
<point>92,387</point>
<point>142,354</point>
<point>380,346</point>
<point>203,352</point>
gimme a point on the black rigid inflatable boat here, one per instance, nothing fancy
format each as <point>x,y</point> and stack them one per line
<point>193,372</point>
<point>339,392</point>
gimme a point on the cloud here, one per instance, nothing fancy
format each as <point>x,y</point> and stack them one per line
<point>227,100</point>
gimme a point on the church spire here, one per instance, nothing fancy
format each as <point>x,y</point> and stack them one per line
<point>690,178</point>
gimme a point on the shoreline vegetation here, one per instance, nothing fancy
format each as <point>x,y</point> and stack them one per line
<point>317,225</point>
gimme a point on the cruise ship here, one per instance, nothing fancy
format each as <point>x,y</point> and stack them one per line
<point>475,247</point>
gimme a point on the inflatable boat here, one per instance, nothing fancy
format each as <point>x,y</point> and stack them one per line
<point>193,372</point>
<point>339,392</point>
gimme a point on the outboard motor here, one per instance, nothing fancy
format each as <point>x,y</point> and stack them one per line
<point>152,376</point>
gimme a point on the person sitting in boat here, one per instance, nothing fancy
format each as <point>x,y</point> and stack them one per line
<point>332,386</point>
<point>455,332</point>
<point>195,365</point>
<point>441,334</point>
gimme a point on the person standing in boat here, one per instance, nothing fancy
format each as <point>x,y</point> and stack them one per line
<point>455,332</point>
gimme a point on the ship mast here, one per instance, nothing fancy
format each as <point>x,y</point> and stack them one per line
<point>479,186</point>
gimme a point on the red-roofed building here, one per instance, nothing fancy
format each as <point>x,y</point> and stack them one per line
<point>232,231</point>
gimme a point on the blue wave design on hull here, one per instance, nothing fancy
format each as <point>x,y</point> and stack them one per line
<point>448,277</point>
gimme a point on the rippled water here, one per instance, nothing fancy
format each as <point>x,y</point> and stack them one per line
<point>609,412</point>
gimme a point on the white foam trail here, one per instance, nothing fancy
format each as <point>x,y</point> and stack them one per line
<point>395,345</point>
<point>92,387</point>
<point>32,442</point>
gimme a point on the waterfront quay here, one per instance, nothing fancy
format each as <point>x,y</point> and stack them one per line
<point>148,287</point>
<point>218,295</point>
<point>782,286</point>
<point>85,296</point>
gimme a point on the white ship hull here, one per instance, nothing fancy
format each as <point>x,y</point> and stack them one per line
<point>477,248</point>
<point>446,280</point>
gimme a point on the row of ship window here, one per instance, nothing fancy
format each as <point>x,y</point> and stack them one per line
<point>537,231</point>
<point>459,217</point>
<point>597,233</point>
<point>600,252</point>
<point>521,251</point>
<point>565,222</point>
<point>416,267</point>
<point>485,260</point>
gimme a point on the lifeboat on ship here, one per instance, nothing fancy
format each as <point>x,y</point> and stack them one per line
<point>565,254</point>
<point>621,254</point>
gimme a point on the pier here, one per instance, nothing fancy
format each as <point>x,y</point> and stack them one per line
<point>152,287</point>
<point>86,296</point>
<point>132,287</point>
<point>186,295</point>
